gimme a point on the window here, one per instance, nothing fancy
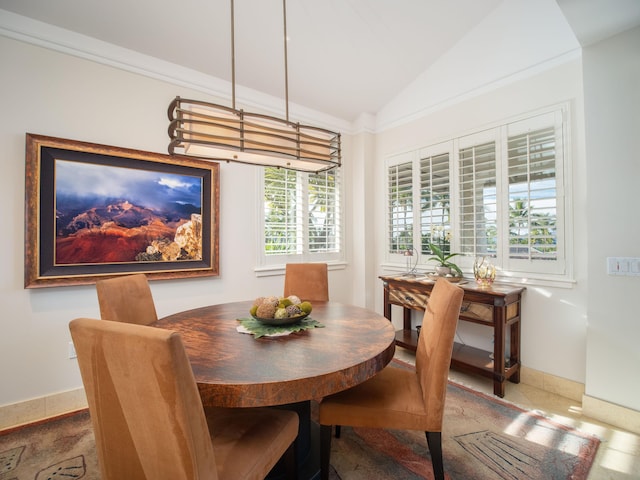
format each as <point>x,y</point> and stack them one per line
<point>435,201</point>
<point>400,207</point>
<point>497,193</point>
<point>282,203</point>
<point>323,212</point>
<point>535,198</point>
<point>302,216</point>
<point>478,199</point>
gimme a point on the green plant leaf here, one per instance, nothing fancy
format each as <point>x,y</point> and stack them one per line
<point>259,329</point>
<point>437,251</point>
<point>443,259</point>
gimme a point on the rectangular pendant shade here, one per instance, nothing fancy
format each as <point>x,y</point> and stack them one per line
<point>210,131</point>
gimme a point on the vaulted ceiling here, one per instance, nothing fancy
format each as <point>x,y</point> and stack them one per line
<point>345,57</point>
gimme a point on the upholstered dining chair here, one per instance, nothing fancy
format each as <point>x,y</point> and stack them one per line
<point>308,281</point>
<point>126,299</point>
<point>403,399</point>
<point>148,419</point>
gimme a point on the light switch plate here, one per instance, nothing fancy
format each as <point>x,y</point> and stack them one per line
<point>629,266</point>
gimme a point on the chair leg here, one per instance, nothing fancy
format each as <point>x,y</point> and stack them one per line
<point>325,451</point>
<point>290,459</point>
<point>434,441</point>
<point>338,430</point>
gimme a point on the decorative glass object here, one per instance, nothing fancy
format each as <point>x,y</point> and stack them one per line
<point>484,272</point>
<point>411,267</point>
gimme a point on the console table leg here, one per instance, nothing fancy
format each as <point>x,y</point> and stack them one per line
<point>406,318</point>
<point>499,319</point>
<point>515,351</point>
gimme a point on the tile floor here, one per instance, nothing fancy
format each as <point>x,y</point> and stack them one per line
<point>618,456</point>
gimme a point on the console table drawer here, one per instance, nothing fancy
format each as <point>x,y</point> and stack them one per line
<point>477,311</point>
<point>418,301</point>
<point>407,298</point>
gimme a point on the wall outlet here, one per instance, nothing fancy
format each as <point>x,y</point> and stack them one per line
<point>72,351</point>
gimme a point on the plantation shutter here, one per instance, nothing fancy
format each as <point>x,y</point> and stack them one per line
<point>324,211</point>
<point>498,192</point>
<point>435,202</point>
<point>282,212</point>
<point>535,225</point>
<point>478,199</point>
<point>400,207</point>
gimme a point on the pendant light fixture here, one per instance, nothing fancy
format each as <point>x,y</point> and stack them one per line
<point>215,132</point>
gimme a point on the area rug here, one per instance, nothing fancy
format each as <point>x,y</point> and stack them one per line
<point>483,438</point>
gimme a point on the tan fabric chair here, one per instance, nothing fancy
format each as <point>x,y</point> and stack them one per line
<point>403,399</point>
<point>309,281</point>
<point>148,419</point>
<point>126,299</point>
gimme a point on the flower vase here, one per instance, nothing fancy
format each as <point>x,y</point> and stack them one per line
<point>442,271</point>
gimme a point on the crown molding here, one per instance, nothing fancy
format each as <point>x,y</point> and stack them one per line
<point>58,39</point>
<point>426,110</point>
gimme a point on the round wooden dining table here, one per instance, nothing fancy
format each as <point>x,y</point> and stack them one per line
<point>236,369</point>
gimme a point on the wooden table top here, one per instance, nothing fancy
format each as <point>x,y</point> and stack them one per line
<point>237,370</point>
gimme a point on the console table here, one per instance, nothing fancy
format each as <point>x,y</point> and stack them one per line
<point>497,307</point>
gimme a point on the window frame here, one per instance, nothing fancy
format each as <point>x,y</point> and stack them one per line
<point>534,123</point>
<point>509,269</point>
<point>395,162</point>
<point>442,234</point>
<point>274,263</point>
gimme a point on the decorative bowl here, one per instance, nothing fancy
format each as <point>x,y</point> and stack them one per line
<point>281,321</point>
<point>452,279</point>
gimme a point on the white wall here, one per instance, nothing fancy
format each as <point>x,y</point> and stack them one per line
<point>612,107</point>
<point>49,93</point>
<point>553,319</point>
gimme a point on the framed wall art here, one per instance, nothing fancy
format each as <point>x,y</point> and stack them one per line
<point>94,211</point>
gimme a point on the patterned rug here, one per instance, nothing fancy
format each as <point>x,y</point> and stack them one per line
<point>483,438</point>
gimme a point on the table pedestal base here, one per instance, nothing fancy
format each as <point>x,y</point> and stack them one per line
<point>308,451</point>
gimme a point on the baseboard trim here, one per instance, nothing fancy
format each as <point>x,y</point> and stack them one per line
<point>552,384</point>
<point>612,414</point>
<point>35,409</point>
<point>609,413</point>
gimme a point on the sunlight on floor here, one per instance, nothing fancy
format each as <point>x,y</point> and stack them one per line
<point>619,451</point>
<point>622,454</point>
<point>618,456</point>
<point>540,434</point>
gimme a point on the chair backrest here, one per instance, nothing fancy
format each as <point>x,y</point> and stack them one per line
<point>435,345</point>
<point>309,281</point>
<point>126,299</point>
<point>145,408</point>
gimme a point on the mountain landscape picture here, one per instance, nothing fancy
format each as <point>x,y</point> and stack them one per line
<point>109,214</point>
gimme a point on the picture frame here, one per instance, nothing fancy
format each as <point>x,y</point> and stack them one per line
<point>94,211</point>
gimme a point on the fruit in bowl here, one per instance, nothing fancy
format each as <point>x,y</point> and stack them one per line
<point>280,310</point>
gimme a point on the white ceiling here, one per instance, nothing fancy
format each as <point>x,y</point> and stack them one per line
<point>345,57</point>
<point>595,20</point>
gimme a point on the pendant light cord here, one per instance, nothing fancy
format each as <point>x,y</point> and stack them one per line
<point>233,58</point>
<point>286,63</point>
